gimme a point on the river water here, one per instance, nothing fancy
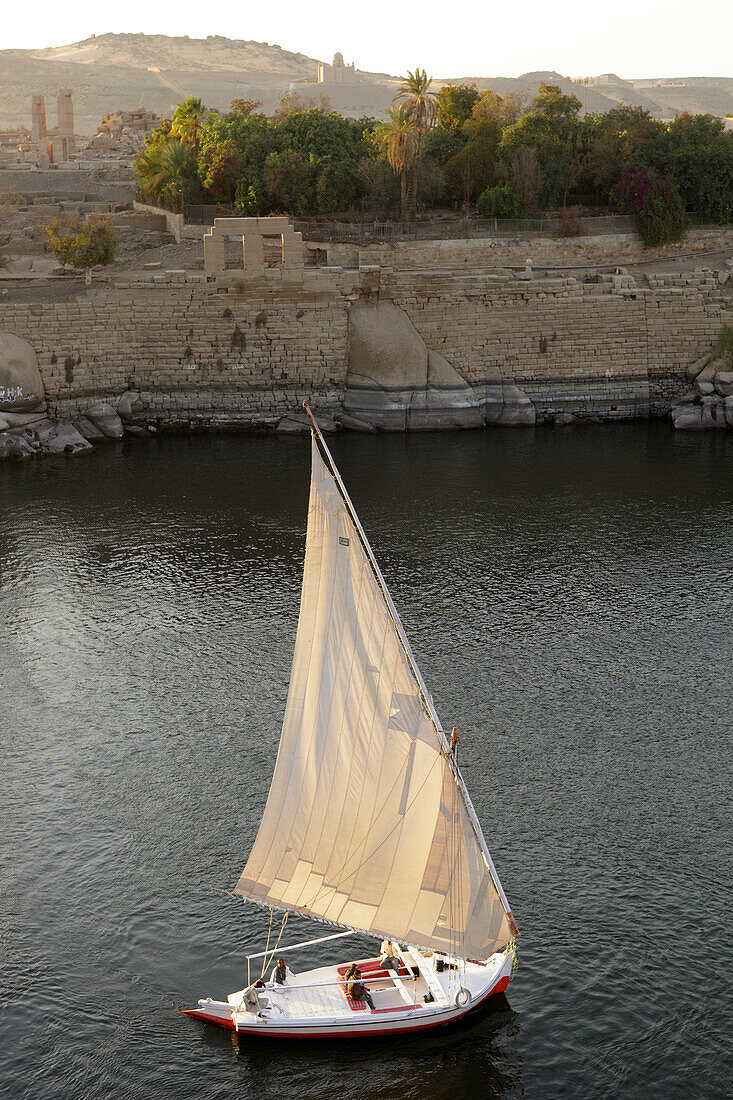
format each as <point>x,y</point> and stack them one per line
<point>569,594</point>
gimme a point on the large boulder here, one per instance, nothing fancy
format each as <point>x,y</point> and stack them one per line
<point>90,431</point>
<point>130,407</point>
<point>21,385</point>
<point>707,374</point>
<point>724,383</point>
<point>518,411</point>
<point>14,445</point>
<point>728,405</point>
<point>61,437</point>
<point>694,368</point>
<point>104,417</point>
<point>688,398</point>
<point>713,411</point>
<point>394,382</point>
<point>688,418</point>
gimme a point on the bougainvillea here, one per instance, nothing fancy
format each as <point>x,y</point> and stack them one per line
<point>655,202</point>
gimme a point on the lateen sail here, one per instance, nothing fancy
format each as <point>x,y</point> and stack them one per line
<point>364,825</point>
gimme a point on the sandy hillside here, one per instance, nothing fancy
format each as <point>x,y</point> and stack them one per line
<point>121,71</point>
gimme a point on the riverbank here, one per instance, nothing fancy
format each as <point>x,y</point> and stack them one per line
<point>371,349</point>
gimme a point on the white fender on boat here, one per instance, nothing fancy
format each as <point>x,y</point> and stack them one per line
<point>463,997</point>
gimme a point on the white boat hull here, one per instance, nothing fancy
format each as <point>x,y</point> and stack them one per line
<point>482,981</point>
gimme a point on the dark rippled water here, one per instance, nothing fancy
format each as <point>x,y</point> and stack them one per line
<point>570,599</point>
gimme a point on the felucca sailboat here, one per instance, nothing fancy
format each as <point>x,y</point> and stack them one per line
<point>368,825</point>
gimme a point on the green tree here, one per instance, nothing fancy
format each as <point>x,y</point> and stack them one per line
<point>186,121</point>
<point>453,105</point>
<point>420,106</point>
<point>250,198</point>
<point>696,152</point>
<point>288,178</point>
<point>491,115</point>
<point>223,168</point>
<point>469,172</point>
<point>551,102</point>
<point>537,131</point>
<point>399,139</point>
<point>441,144</point>
<point>83,244</point>
<point>166,171</point>
<point>335,185</point>
<point>616,139</point>
<point>501,201</point>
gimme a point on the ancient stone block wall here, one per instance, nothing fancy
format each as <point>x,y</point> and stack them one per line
<point>191,351</point>
<point>607,348</point>
<point>226,352</point>
<point>617,248</point>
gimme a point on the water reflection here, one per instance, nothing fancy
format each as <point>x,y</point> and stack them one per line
<point>478,1055</point>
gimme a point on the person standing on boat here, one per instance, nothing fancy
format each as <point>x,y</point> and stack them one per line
<point>355,988</point>
<point>281,973</point>
<point>389,955</point>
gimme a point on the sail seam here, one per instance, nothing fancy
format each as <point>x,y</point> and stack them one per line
<point>424,694</point>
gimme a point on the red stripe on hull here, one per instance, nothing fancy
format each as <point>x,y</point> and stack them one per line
<point>228,1024</point>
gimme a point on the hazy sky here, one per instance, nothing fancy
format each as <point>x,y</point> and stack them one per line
<point>630,37</point>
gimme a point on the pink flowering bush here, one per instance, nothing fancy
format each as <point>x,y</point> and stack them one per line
<point>655,202</point>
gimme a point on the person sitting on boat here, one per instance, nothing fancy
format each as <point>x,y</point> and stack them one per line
<point>281,973</point>
<point>250,997</point>
<point>355,988</point>
<point>389,955</point>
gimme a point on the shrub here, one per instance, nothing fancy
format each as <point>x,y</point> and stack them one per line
<point>570,224</point>
<point>250,200</point>
<point>655,202</point>
<point>83,244</point>
<point>499,202</point>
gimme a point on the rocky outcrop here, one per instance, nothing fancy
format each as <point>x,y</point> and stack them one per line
<point>104,417</point>
<point>709,404</point>
<point>44,437</point>
<point>21,386</point>
<point>29,434</point>
<point>396,383</point>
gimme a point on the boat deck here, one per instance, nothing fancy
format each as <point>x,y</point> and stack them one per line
<point>321,993</point>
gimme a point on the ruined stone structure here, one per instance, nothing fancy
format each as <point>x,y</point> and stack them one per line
<point>337,72</point>
<point>286,250</point>
<point>115,123</point>
<point>66,138</point>
<point>38,120</point>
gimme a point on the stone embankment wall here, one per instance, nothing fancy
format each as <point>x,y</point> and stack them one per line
<point>616,248</point>
<point>228,352</point>
<point>192,351</point>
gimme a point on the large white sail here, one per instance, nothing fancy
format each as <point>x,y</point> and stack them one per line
<point>365,825</point>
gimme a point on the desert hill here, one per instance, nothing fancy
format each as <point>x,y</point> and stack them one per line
<point>112,72</point>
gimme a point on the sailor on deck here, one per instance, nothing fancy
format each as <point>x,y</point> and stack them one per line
<point>389,955</point>
<point>251,998</point>
<point>355,988</point>
<point>281,973</point>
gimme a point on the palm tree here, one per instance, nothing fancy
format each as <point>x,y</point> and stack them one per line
<point>187,120</point>
<point>400,140</point>
<point>162,170</point>
<point>421,107</point>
